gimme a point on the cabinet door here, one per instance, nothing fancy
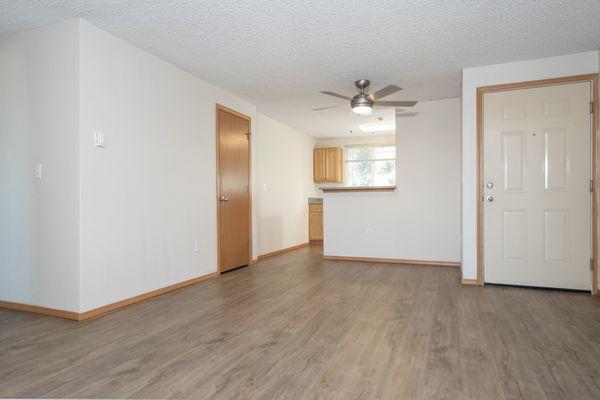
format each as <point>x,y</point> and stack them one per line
<point>319,165</point>
<point>333,167</point>
<point>315,225</point>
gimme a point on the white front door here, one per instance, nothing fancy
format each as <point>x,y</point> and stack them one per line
<point>537,200</point>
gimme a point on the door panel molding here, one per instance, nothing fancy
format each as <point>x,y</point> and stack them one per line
<point>513,178</point>
<point>219,107</point>
<point>551,109</point>
<point>556,139</point>
<point>515,238</point>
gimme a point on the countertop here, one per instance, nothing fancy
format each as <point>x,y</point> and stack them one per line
<point>358,189</point>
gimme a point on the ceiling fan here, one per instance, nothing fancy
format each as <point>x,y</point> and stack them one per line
<point>363,103</point>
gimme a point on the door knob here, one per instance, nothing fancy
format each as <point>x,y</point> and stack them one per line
<point>490,185</point>
<point>490,198</point>
<point>223,198</point>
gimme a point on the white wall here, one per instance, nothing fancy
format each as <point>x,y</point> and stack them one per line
<point>152,192</point>
<point>284,181</point>
<point>39,244</point>
<point>553,67</point>
<point>421,219</point>
<point>107,224</point>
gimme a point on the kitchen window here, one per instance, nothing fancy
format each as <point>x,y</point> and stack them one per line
<point>371,165</point>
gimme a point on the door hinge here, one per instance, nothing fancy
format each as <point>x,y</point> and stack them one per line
<point>248,188</point>
<point>248,135</point>
<point>591,107</point>
<point>591,185</point>
<point>591,264</point>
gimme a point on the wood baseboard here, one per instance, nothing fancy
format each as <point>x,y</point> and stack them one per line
<point>274,253</point>
<point>104,309</point>
<point>394,261</point>
<point>40,310</point>
<point>470,282</point>
<point>141,297</point>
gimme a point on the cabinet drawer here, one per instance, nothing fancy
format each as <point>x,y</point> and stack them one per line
<point>315,208</point>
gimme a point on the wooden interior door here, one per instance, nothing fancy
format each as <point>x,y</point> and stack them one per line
<point>537,174</point>
<point>233,189</point>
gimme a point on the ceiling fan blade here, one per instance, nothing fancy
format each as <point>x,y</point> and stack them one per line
<point>395,103</point>
<point>327,108</point>
<point>386,91</point>
<point>341,96</point>
<point>410,114</point>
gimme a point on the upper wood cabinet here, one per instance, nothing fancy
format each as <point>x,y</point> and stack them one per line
<point>327,164</point>
<point>333,164</point>
<point>319,161</point>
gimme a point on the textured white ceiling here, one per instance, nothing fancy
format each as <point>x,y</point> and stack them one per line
<point>279,54</point>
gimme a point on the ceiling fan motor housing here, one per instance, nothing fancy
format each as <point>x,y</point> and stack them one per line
<point>361,99</point>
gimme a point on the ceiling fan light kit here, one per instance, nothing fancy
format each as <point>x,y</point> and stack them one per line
<point>362,109</point>
<point>361,103</point>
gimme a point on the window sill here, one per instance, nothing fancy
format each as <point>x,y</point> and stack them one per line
<point>358,189</point>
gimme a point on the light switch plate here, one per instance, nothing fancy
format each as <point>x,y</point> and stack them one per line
<point>99,139</point>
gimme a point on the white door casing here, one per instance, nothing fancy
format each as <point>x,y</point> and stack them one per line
<point>537,154</point>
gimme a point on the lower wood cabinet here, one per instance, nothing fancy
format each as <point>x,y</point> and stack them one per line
<point>315,222</point>
<point>328,164</point>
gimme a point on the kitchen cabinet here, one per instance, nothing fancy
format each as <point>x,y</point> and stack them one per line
<point>328,164</point>
<point>315,222</point>
<point>319,162</point>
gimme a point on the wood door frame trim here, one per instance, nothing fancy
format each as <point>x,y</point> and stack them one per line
<point>481,91</point>
<point>219,107</point>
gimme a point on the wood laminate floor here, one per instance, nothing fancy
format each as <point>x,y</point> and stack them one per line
<point>297,327</point>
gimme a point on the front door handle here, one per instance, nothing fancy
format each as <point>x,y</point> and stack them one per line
<point>490,199</point>
<point>223,198</point>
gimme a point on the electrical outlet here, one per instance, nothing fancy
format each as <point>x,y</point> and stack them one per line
<point>99,139</point>
<point>38,171</point>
